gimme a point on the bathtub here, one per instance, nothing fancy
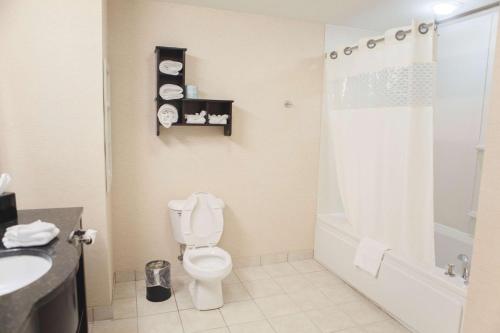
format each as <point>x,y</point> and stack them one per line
<point>425,301</point>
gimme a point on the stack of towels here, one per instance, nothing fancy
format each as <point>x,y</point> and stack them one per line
<point>218,119</point>
<point>34,234</point>
<point>171,91</point>
<point>170,67</point>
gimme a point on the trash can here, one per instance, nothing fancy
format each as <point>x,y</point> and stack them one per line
<point>158,281</point>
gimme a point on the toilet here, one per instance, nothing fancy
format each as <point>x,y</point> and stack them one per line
<point>197,223</point>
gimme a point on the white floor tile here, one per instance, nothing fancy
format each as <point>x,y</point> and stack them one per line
<point>364,312</point>
<point>124,290</point>
<point>389,326</point>
<point>293,283</point>
<point>251,273</point>
<point>353,330</point>
<point>330,319</point>
<point>342,293</point>
<point>263,288</point>
<point>216,330</point>
<point>115,326</point>
<point>261,326</point>
<point>282,269</point>
<point>323,279</point>
<point>279,305</point>
<point>241,312</point>
<point>307,266</point>
<point>231,278</point>
<point>296,323</point>
<point>183,299</point>
<point>166,322</point>
<point>235,292</point>
<point>124,276</point>
<point>124,308</point>
<point>311,299</point>
<point>146,308</point>
<point>180,282</point>
<point>195,320</point>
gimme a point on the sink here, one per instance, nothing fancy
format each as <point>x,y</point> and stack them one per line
<point>19,268</point>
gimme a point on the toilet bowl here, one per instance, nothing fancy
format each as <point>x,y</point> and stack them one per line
<point>197,222</point>
<point>207,266</point>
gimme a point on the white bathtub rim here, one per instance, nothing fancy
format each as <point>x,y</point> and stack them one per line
<point>338,224</point>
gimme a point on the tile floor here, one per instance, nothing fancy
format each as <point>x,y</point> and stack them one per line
<point>291,297</point>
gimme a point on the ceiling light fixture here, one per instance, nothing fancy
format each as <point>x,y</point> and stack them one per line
<point>444,8</point>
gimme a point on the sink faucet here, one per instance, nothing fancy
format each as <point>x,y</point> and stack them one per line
<point>466,267</point>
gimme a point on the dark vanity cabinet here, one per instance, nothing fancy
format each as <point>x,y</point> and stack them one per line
<point>66,308</point>
<point>56,301</point>
<point>63,308</point>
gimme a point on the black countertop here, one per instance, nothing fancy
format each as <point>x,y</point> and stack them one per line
<point>16,307</point>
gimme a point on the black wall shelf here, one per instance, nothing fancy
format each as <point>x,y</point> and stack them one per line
<point>187,105</point>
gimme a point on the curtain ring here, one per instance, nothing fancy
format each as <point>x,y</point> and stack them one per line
<point>348,51</point>
<point>400,35</point>
<point>371,43</point>
<point>334,55</point>
<point>423,28</point>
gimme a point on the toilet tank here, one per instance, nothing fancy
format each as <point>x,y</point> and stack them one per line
<point>174,213</point>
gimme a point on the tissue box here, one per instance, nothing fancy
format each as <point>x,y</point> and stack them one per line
<point>8,208</point>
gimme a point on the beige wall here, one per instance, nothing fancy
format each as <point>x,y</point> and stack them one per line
<point>483,300</point>
<point>51,130</point>
<point>266,172</point>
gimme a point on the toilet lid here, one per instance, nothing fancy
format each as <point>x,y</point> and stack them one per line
<point>202,220</point>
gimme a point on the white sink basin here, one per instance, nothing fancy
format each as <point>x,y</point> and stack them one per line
<point>17,271</point>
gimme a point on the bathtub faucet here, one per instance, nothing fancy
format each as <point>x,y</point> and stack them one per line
<point>466,267</point>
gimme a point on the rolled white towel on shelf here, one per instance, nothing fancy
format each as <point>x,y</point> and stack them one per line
<point>220,119</point>
<point>170,67</point>
<point>197,118</point>
<point>37,233</point>
<point>171,91</point>
<point>167,115</point>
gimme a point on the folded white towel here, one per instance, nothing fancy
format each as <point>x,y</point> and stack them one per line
<point>170,67</point>
<point>369,255</point>
<point>218,119</point>
<point>26,231</point>
<point>197,118</point>
<point>4,182</point>
<point>167,115</point>
<point>172,97</point>
<point>37,239</point>
<point>171,91</point>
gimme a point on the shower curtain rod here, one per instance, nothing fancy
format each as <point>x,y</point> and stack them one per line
<point>422,28</point>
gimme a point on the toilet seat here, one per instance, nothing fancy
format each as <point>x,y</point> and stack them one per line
<point>207,263</point>
<point>202,220</point>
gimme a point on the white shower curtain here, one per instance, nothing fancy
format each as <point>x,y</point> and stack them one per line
<point>379,102</point>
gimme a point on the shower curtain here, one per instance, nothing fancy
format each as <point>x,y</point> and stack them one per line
<point>379,106</point>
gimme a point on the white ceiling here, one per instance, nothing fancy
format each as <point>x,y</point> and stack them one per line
<point>376,15</point>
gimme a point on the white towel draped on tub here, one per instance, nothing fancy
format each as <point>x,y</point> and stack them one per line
<point>34,234</point>
<point>170,67</point>
<point>369,256</point>
<point>171,91</point>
